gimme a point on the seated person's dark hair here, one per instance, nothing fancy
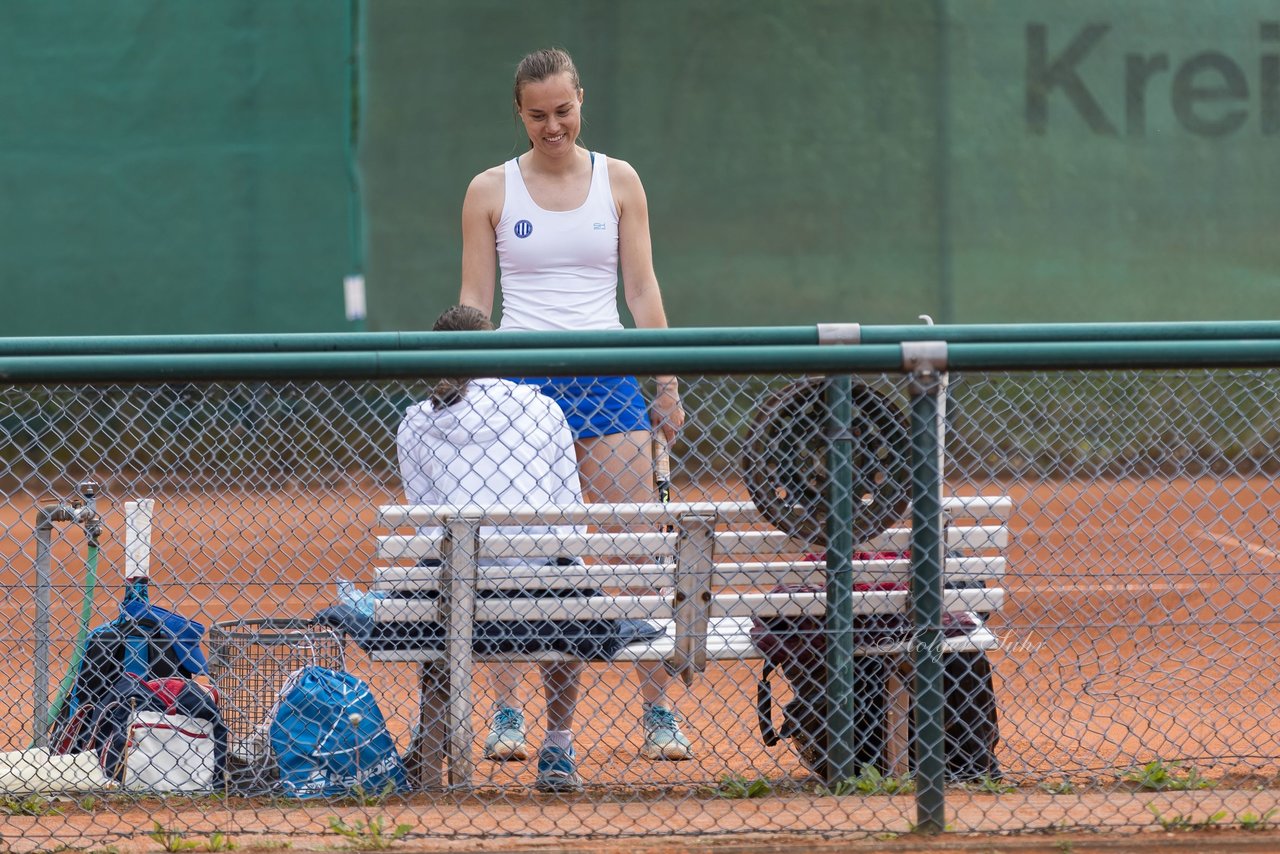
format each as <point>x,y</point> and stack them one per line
<point>459,318</point>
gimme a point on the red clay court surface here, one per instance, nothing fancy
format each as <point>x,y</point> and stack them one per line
<point>1140,625</point>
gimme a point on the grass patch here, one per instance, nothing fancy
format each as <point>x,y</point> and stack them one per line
<point>171,840</point>
<point>871,782</point>
<point>1157,776</point>
<point>1177,821</point>
<point>737,787</point>
<point>989,785</point>
<point>369,835</point>
<point>1253,821</point>
<point>33,805</point>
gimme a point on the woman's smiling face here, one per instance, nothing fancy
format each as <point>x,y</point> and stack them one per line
<point>551,110</point>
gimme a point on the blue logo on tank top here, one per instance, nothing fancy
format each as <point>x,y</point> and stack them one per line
<point>523,228</point>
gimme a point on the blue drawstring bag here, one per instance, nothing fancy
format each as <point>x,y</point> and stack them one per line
<point>329,738</point>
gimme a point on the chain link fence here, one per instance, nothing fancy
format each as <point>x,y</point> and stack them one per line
<point>1130,663</point>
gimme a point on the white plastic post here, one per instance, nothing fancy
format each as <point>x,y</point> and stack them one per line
<point>942,414</point>
<point>137,538</point>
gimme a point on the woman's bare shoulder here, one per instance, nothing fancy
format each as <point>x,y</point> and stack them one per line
<point>486,192</point>
<point>491,179</point>
<point>621,169</point>
<point>624,181</point>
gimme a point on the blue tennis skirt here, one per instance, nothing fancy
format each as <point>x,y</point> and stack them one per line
<point>596,406</point>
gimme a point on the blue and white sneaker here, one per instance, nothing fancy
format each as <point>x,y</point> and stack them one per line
<point>662,737</point>
<point>505,741</point>
<point>558,770</point>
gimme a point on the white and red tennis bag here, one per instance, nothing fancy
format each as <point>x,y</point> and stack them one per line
<point>163,735</point>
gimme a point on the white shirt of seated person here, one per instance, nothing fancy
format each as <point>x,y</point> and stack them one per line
<point>503,444</point>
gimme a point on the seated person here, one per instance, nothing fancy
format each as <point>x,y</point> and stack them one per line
<point>496,442</point>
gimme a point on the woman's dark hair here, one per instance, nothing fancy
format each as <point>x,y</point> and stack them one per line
<point>542,64</point>
<point>459,318</point>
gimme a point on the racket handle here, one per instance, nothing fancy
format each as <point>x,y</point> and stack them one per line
<point>662,468</point>
<point>137,539</point>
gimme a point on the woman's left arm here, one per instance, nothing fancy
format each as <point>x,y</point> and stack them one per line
<point>640,283</point>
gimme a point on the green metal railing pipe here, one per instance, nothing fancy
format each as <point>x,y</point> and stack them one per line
<point>776,359</point>
<point>841,764</point>
<point>1082,333</point>
<point>926,602</point>
<point>1006,333</point>
<point>390,341</point>
<point>1120,355</point>
<point>436,363</point>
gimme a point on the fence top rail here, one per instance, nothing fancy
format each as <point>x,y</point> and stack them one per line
<point>350,342</point>
<point>773,359</point>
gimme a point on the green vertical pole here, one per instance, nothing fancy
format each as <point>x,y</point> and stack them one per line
<point>839,622</point>
<point>926,599</point>
<point>946,287</point>
<point>354,298</point>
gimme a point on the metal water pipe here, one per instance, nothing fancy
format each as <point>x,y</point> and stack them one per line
<point>83,512</point>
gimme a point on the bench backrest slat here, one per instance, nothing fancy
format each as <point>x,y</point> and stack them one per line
<point>657,607</point>
<point>657,576</point>
<point>973,538</point>
<point>864,603</point>
<point>533,546</point>
<point>650,514</point>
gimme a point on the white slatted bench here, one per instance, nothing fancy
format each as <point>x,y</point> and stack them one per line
<point>710,593</point>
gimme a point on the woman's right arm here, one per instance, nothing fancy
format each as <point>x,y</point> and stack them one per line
<point>480,210</point>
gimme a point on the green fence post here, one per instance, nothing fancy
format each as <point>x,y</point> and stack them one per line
<point>839,620</point>
<point>925,360</point>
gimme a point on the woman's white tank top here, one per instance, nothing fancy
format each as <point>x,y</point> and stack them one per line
<point>559,268</point>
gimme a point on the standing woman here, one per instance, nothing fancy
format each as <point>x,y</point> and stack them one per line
<point>562,222</point>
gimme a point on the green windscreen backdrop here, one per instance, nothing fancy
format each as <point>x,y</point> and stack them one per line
<point>183,166</point>
<point>175,166</point>
<point>862,160</point>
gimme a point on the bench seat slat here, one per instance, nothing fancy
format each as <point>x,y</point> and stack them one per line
<point>728,638</point>
<point>621,607</point>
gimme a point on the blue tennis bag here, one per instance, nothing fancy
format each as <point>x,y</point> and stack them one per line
<point>329,738</point>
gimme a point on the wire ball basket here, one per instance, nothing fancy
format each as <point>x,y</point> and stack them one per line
<point>250,661</point>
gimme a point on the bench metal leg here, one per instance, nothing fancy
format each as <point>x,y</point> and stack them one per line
<point>459,731</point>
<point>897,716</point>
<point>427,747</point>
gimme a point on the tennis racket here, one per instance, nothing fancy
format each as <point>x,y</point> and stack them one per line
<point>662,468</point>
<point>662,483</point>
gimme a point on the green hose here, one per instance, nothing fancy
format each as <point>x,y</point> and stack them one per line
<point>86,614</point>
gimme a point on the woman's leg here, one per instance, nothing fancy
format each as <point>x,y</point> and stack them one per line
<point>504,684</point>
<point>616,468</point>
<point>506,738</point>
<point>619,469</point>
<point>560,683</point>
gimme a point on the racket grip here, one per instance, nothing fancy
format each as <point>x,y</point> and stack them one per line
<point>662,468</point>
